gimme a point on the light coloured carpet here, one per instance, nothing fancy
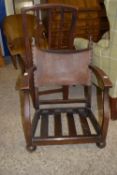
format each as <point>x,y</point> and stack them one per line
<point>81,159</point>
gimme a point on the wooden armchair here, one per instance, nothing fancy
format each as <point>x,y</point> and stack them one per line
<point>61,67</point>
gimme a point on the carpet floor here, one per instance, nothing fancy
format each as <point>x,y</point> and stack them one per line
<point>80,159</point>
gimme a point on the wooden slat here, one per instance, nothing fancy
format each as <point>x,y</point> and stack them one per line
<point>94,122</point>
<point>71,125</point>
<point>44,126</point>
<point>59,101</point>
<point>61,110</point>
<point>85,126</point>
<point>58,125</point>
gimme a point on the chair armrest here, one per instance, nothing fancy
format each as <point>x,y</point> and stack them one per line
<point>102,79</point>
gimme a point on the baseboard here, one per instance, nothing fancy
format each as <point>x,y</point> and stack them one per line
<point>113,108</point>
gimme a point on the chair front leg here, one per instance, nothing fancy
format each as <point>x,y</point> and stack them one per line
<point>35,98</point>
<point>99,94</point>
<point>106,112</point>
<point>26,122</point>
<point>105,117</point>
<point>34,92</point>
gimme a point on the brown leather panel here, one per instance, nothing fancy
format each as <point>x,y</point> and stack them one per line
<point>61,68</point>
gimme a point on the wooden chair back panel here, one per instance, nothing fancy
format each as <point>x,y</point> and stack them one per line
<point>59,67</point>
<point>58,35</point>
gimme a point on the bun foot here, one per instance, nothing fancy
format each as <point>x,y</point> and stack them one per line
<point>101,144</point>
<point>30,148</point>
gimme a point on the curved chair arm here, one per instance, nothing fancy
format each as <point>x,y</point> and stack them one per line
<point>102,78</point>
<point>26,119</point>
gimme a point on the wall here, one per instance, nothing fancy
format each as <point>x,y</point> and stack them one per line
<point>2,38</point>
<point>9,7</point>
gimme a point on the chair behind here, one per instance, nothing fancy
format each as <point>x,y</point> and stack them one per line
<point>12,27</point>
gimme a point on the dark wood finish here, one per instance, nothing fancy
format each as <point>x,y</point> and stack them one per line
<point>99,103</point>
<point>56,101</point>
<point>44,126</point>
<point>58,125</point>
<point>87,93</point>
<point>2,63</point>
<point>26,121</point>
<point>85,126</point>
<point>106,112</point>
<point>71,125</point>
<point>104,81</point>
<point>96,20</point>
<point>104,22</point>
<point>63,67</point>
<point>113,107</point>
